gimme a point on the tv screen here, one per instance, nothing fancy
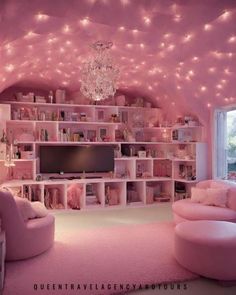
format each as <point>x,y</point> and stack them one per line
<point>76,159</point>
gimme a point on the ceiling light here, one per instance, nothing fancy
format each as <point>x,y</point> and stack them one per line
<point>207,27</point>
<point>41,17</point>
<point>99,74</point>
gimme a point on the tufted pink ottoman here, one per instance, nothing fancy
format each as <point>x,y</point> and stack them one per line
<point>207,248</point>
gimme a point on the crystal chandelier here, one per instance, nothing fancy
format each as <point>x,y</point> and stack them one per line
<point>99,74</point>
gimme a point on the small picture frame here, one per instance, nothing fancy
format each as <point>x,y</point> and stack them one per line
<point>124,117</point>
<point>91,135</point>
<point>102,133</point>
<point>100,115</point>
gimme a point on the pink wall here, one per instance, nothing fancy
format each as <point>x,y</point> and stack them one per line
<point>181,55</point>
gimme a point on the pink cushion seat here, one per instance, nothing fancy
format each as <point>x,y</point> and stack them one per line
<point>24,238</point>
<point>207,248</point>
<point>197,211</point>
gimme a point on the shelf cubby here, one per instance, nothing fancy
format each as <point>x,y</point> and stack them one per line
<point>23,170</point>
<point>55,196</point>
<point>162,168</point>
<point>45,131</point>
<point>135,191</point>
<point>115,194</point>
<point>158,191</point>
<point>185,170</point>
<point>182,189</point>
<point>106,115</point>
<point>94,195</point>
<point>33,192</point>
<point>20,131</point>
<point>144,167</point>
<point>75,196</point>
<point>125,167</point>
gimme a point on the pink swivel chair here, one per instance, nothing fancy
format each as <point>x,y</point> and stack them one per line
<point>24,239</point>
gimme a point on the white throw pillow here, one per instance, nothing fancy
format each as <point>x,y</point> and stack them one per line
<point>25,209</point>
<point>39,209</point>
<point>216,197</point>
<point>198,195</point>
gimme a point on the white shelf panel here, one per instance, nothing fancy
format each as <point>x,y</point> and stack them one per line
<point>104,142</point>
<point>67,142</point>
<point>183,160</point>
<point>12,122</point>
<point>81,180</point>
<point>139,158</point>
<point>154,128</point>
<point>64,122</point>
<point>185,180</point>
<point>25,142</point>
<point>68,105</point>
<point>159,142</point>
<point>168,128</point>
<point>185,126</point>
<point>158,179</point>
<point>21,160</point>
<point>125,158</point>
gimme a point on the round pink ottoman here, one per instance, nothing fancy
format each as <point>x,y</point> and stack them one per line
<point>207,248</point>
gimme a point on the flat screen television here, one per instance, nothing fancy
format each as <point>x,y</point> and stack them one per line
<point>76,158</point>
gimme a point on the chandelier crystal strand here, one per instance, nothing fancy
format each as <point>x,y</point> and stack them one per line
<point>99,74</point>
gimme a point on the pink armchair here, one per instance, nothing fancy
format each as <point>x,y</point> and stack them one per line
<point>24,239</point>
<point>186,210</point>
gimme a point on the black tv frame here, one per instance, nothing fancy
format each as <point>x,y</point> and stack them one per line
<point>60,159</point>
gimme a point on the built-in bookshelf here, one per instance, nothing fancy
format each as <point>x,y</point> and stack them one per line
<point>151,156</point>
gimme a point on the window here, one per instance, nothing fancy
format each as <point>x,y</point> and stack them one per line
<point>231,144</point>
<point>224,149</point>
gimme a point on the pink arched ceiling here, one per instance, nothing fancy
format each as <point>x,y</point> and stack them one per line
<point>181,54</point>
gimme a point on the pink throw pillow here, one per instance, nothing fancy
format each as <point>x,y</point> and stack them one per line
<point>198,195</point>
<point>204,184</point>
<point>216,197</point>
<point>219,184</point>
<point>25,209</point>
<point>232,198</point>
<point>39,209</point>
<point>74,193</point>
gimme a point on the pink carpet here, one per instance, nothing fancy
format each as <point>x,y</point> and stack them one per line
<point>107,258</point>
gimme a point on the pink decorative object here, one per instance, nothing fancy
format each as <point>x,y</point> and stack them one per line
<point>207,248</point>
<point>54,196</point>
<point>39,209</point>
<point>216,197</point>
<point>74,194</point>
<point>24,239</point>
<point>232,198</point>
<point>25,209</point>
<point>198,195</point>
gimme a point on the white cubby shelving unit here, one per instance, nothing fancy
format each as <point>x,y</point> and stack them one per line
<point>172,154</point>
